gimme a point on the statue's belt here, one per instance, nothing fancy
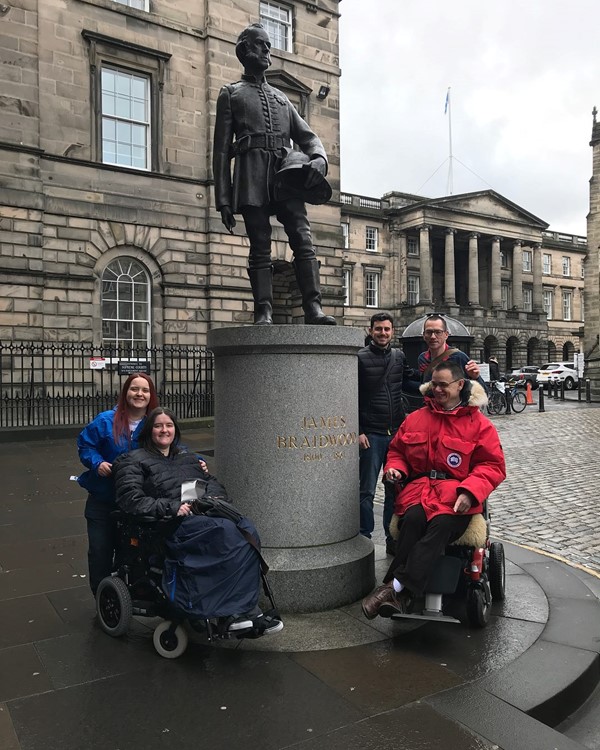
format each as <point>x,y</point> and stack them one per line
<point>267,141</point>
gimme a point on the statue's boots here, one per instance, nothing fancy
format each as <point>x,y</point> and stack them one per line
<point>261,281</point>
<point>307,275</point>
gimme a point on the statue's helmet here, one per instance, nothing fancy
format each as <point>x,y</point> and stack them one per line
<point>290,179</point>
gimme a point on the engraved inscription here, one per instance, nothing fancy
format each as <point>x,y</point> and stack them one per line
<point>329,423</point>
<point>317,434</point>
<point>316,441</point>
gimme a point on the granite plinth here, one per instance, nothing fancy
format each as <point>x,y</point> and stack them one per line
<point>286,438</point>
<point>320,578</point>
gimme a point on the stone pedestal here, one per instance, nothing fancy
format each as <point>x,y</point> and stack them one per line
<point>286,446</point>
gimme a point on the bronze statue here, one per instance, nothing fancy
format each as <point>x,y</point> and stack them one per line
<point>269,178</point>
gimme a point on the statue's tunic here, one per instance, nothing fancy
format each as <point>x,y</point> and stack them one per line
<point>263,120</point>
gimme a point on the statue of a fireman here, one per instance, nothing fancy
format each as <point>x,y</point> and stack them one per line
<point>269,177</point>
